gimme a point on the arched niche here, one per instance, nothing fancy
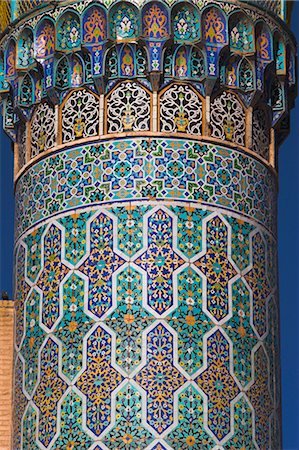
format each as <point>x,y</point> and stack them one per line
<point>214,26</point>
<point>26,91</point>
<point>42,128</point>
<point>124,19</point>
<point>185,22</point>
<point>227,119</point>
<point>68,32</point>
<point>155,21</point>
<point>44,39</point>
<point>94,26</point>
<point>128,108</point>
<point>25,49</point>
<point>280,54</point>
<point>261,125</point>
<point>10,59</point>
<point>246,75</point>
<point>180,108</point>
<point>62,73</point>
<point>264,42</point>
<point>4,86</point>
<point>79,115</point>
<point>241,34</point>
<point>77,71</point>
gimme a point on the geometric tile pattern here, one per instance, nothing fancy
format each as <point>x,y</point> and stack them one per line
<point>142,325</point>
<point>147,174</point>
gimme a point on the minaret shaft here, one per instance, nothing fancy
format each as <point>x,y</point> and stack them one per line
<point>146,290</point>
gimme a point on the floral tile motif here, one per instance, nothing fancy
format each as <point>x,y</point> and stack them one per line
<point>217,382</point>
<point>160,261</point>
<point>257,279</point>
<point>53,272</point>
<point>72,435</point>
<point>160,378</point>
<point>129,319</point>
<point>215,264</point>
<point>189,433</point>
<point>100,265</point>
<point>98,381</point>
<point>49,391</point>
<point>189,320</point>
<point>243,428</point>
<point>241,333</point>
<point>34,336</point>
<point>128,431</point>
<point>130,169</point>
<point>74,325</point>
<point>260,398</point>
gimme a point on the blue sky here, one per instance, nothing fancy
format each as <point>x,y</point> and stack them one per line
<point>288,228</point>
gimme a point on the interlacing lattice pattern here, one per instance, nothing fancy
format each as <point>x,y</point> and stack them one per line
<point>129,108</point>
<point>127,338</point>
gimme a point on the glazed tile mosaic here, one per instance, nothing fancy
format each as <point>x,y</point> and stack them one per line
<point>131,169</point>
<point>146,295</point>
<point>142,325</point>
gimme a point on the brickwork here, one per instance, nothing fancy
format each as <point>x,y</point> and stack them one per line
<point>6,371</point>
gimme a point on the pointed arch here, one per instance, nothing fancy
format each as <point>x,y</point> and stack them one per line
<point>180,62</point>
<point>241,34</point>
<point>264,42</point>
<point>141,62</point>
<point>167,61</point>
<point>63,73</point>
<point>228,118</point>
<point>79,115</point>
<point>280,54</point>
<point>42,129</point>
<point>155,21</point>
<point>77,71</point>
<point>180,108</point>
<point>185,23</point>
<point>4,86</point>
<point>22,144</point>
<point>127,61</point>
<point>277,98</point>
<point>261,124</point>
<point>44,39</point>
<point>68,37</point>
<point>128,108</point>
<point>214,26</point>
<point>197,64</point>
<point>25,49</point>
<point>231,72</point>
<point>87,67</point>
<point>124,22</point>
<point>94,25</point>
<point>246,75</point>
<point>26,91</point>
<point>111,63</point>
<point>10,59</point>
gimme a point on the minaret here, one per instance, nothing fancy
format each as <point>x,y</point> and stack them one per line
<point>145,144</point>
